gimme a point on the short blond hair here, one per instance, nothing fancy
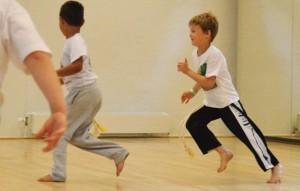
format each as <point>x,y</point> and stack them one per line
<point>207,22</point>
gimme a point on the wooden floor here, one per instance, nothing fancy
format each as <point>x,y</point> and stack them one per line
<point>154,164</point>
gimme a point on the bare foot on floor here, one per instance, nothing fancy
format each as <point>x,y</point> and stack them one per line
<point>46,178</point>
<point>225,158</point>
<point>120,166</point>
<point>276,175</point>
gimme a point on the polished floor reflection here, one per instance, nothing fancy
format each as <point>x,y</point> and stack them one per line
<point>154,164</point>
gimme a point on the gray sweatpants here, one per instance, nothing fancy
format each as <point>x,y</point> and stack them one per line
<point>83,104</point>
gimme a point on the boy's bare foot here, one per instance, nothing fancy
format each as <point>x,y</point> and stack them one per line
<point>120,166</point>
<point>226,156</point>
<point>46,178</point>
<point>276,175</point>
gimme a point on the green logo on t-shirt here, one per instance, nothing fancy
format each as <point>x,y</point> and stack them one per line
<point>202,72</point>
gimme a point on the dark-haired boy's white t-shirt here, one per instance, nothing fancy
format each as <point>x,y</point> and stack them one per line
<point>18,37</point>
<point>213,63</point>
<point>74,48</point>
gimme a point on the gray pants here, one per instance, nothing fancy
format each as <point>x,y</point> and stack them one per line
<point>83,104</point>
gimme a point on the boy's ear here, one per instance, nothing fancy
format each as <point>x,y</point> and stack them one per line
<point>208,34</point>
<point>61,20</point>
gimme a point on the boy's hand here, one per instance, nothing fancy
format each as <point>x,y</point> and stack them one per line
<point>54,127</point>
<point>186,96</point>
<point>183,66</point>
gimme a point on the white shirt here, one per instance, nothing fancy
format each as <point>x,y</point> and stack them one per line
<point>74,48</point>
<point>18,36</point>
<point>213,63</point>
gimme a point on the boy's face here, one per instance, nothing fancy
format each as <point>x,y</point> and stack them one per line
<point>198,37</point>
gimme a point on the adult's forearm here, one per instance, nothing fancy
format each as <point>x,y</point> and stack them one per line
<point>40,66</point>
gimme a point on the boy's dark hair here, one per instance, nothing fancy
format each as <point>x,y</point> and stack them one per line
<point>207,22</point>
<point>73,13</point>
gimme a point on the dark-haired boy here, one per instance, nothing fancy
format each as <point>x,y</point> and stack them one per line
<point>83,99</point>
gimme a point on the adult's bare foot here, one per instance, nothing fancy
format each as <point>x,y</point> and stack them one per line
<point>276,175</point>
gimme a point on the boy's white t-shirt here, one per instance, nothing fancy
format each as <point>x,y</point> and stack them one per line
<point>213,63</point>
<point>18,36</point>
<point>74,48</point>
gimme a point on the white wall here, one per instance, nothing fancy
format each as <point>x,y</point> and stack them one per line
<point>135,45</point>
<point>296,64</point>
<point>264,70</point>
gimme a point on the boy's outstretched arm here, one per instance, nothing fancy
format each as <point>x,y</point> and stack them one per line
<point>40,67</point>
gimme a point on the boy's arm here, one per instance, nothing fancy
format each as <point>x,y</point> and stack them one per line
<point>197,87</point>
<point>72,68</point>
<point>40,66</point>
<point>203,81</point>
<point>187,95</point>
